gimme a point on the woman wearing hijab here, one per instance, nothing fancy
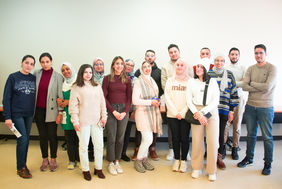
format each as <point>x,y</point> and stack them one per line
<point>147,116</point>
<point>98,66</point>
<point>227,102</point>
<point>175,98</point>
<point>70,134</point>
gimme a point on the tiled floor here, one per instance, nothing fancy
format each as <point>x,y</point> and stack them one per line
<point>162,177</point>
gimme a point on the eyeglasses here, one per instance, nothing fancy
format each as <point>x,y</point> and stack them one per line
<point>131,65</point>
<point>98,64</point>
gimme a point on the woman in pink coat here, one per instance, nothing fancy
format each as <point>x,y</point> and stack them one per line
<point>147,116</point>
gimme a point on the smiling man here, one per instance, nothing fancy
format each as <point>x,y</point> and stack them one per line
<point>227,102</point>
<point>260,81</point>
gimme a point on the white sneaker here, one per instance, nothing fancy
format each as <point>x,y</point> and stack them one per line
<point>118,168</point>
<point>196,174</point>
<point>183,166</point>
<point>176,165</point>
<point>170,155</point>
<point>188,157</point>
<point>111,168</point>
<point>212,177</point>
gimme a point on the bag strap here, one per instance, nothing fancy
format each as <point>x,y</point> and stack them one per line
<point>206,91</point>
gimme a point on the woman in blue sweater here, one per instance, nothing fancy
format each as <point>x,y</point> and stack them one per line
<point>18,104</point>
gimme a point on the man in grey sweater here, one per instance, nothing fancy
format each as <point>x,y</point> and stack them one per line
<point>260,81</point>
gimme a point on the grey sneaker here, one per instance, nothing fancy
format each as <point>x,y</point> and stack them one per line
<point>148,166</point>
<point>139,166</point>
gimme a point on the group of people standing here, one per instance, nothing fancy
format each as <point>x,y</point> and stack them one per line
<point>88,102</point>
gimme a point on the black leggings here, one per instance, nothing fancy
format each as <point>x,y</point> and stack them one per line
<point>180,130</point>
<point>47,132</point>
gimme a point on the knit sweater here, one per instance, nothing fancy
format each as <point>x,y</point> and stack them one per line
<point>229,97</point>
<point>260,82</point>
<point>175,97</point>
<point>87,105</point>
<point>195,94</point>
<point>117,92</point>
<point>19,95</point>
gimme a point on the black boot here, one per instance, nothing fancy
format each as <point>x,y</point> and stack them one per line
<point>234,154</point>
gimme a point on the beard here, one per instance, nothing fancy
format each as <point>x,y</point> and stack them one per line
<point>233,61</point>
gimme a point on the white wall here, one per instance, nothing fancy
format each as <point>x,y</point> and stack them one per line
<point>78,31</point>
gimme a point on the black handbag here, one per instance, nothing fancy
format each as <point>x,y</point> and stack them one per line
<point>189,117</point>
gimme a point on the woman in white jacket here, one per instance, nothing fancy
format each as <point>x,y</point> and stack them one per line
<point>195,93</point>
<point>175,98</point>
<point>88,112</point>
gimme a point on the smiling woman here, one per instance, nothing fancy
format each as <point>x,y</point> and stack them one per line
<point>117,91</point>
<point>18,104</point>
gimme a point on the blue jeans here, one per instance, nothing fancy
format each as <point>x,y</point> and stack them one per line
<point>263,117</point>
<point>23,125</point>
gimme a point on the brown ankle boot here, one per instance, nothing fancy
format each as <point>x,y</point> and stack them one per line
<point>153,154</point>
<point>99,173</point>
<point>86,175</point>
<point>220,163</point>
<point>135,154</point>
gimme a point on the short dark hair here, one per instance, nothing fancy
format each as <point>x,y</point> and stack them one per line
<point>262,46</point>
<point>45,54</point>
<point>28,56</point>
<point>205,48</point>
<point>234,49</point>
<point>79,79</point>
<point>149,51</point>
<point>206,75</point>
<point>171,46</point>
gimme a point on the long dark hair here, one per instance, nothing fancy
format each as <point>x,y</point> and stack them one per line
<point>79,79</point>
<point>206,76</point>
<point>123,73</point>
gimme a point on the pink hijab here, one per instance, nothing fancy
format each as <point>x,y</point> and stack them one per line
<point>185,75</point>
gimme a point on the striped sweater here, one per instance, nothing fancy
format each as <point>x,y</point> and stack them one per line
<point>229,97</point>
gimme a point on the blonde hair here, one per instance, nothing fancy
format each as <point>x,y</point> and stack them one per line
<point>112,73</point>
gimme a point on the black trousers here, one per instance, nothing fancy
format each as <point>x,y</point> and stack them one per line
<point>180,131</point>
<point>47,133</point>
<point>72,145</point>
<point>222,124</point>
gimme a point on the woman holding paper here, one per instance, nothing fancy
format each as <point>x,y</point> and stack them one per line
<point>18,105</point>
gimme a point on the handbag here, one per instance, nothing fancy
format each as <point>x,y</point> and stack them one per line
<point>189,117</point>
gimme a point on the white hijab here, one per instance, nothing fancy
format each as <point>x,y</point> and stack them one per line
<point>224,79</point>
<point>68,82</point>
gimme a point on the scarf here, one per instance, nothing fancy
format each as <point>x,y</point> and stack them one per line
<point>131,75</point>
<point>223,79</point>
<point>149,91</point>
